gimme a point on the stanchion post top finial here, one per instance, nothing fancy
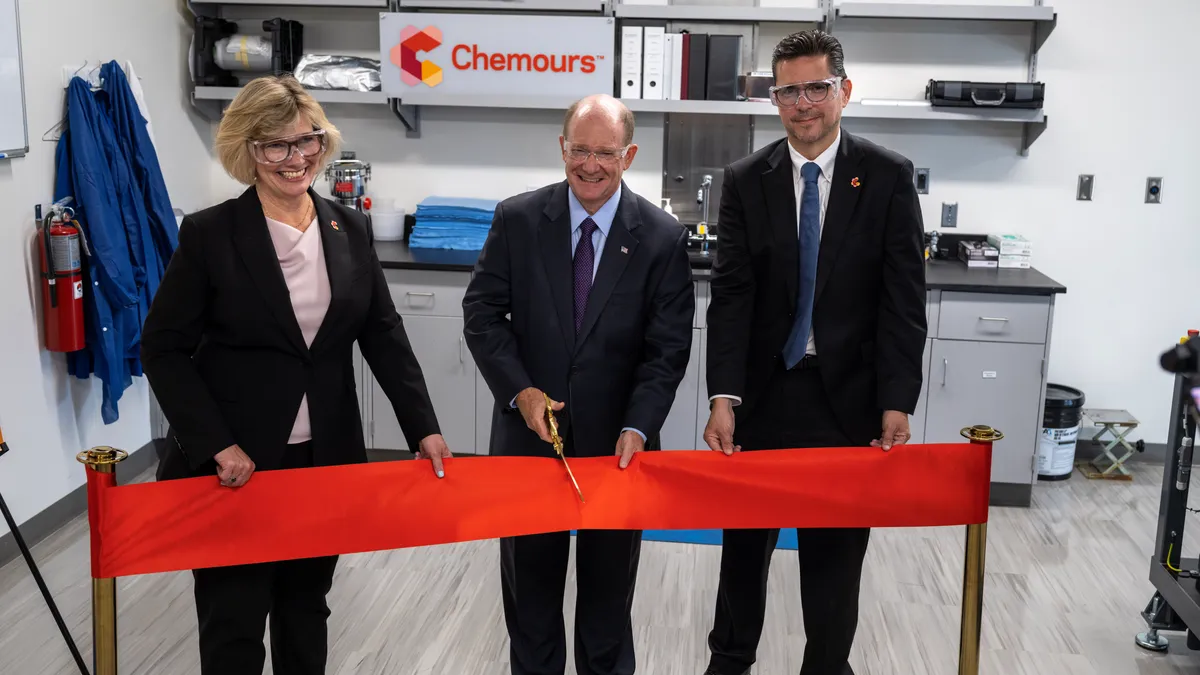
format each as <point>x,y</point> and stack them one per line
<point>101,456</point>
<point>981,433</point>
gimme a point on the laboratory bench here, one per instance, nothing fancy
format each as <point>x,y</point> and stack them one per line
<point>985,360</point>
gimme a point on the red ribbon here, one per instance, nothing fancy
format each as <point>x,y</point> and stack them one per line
<point>280,515</point>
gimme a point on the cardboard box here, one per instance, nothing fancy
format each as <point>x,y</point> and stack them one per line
<point>1014,262</point>
<point>977,250</point>
<point>1011,244</point>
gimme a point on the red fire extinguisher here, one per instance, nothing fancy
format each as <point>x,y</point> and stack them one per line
<point>62,279</point>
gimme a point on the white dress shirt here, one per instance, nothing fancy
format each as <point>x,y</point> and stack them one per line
<point>825,162</point>
<point>603,218</point>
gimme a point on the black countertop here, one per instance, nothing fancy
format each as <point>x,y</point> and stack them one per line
<point>952,275</point>
<point>945,275</point>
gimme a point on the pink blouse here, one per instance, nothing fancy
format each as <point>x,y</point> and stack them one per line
<point>302,260</point>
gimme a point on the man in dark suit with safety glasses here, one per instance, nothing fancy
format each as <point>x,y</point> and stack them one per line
<point>816,329</point>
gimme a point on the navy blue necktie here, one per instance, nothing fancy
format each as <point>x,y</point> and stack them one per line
<point>583,264</point>
<point>809,243</point>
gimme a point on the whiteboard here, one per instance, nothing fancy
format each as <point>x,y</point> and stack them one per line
<point>14,129</point>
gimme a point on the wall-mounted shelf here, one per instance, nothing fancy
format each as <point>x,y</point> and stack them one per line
<point>590,6</point>
<point>893,110</point>
<point>737,14</point>
<point>406,109</point>
<point>509,101</point>
<point>379,4</point>
<point>322,95</point>
<point>909,10</point>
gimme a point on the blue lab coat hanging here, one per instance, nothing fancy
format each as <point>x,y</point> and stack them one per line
<point>107,164</point>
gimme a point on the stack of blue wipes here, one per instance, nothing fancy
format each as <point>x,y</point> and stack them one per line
<point>456,223</point>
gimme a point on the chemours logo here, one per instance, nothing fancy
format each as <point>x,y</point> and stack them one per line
<point>471,57</point>
<point>414,71</point>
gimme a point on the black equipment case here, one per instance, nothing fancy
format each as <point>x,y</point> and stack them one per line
<point>961,94</point>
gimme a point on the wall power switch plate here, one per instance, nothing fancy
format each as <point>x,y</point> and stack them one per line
<point>1084,192</point>
<point>950,214</point>
<point>1154,190</point>
<point>921,180</point>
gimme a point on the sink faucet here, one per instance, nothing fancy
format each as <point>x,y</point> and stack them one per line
<point>702,198</point>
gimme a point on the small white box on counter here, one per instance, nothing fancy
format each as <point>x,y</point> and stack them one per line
<point>1011,244</point>
<point>1014,262</point>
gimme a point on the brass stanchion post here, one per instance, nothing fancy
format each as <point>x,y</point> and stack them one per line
<point>102,466</point>
<point>973,570</point>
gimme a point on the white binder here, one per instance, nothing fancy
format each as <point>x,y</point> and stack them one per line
<point>631,62</point>
<point>653,49</point>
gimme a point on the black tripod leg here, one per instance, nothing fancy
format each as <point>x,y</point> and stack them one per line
<point>37,576</point>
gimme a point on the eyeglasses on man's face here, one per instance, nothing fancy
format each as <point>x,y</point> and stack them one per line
<point>276,150</point>
<point>813,91</point>
<point>579,154</point>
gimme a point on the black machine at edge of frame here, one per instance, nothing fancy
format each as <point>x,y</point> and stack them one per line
<point>1175,605</point>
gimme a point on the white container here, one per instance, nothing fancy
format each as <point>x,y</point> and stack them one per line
<point>1011,244</point>
<point>1056,452</point>
<point>388,225</point>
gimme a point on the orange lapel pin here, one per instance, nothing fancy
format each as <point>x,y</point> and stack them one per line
<point>333,223</point>
<point>854,181</point>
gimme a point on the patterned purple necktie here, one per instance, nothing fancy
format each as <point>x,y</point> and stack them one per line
<point>585,259</point>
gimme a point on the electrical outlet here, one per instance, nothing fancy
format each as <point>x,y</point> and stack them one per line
<point>950,215</point>
<point>1084,192</point>
<point>1154,190</point>
<point>922,181</point>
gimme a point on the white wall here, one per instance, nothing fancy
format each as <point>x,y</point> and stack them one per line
<point>47,416</point>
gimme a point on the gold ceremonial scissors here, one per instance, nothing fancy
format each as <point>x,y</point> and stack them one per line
<point>558,444</point>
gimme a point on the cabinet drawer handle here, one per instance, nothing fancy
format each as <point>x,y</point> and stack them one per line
<point>993,318</point>
<point>460,349</point>
<point>945,367</point>
<point>413,294</point>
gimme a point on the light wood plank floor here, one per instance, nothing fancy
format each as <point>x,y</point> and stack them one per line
<point>1066,582</point>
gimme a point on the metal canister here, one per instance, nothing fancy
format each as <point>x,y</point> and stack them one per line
<point>348,180</point>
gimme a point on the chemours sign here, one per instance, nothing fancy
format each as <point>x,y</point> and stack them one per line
<point>461,55</point>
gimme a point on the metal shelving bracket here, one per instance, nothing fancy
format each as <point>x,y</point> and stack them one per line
<point>210,109</point>
<point>409,116</point>
<point>1031,132</point>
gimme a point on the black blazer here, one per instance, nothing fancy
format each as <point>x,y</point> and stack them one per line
<point>869,312</point>
<point>631,352</point>
<point>225,357</point>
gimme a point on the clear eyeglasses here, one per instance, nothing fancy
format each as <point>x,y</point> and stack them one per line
<point>814,91</point>
<point>606,156</point>
<point>278,150</point>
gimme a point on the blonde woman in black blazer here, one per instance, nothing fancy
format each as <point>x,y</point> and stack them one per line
<point>248,349</point>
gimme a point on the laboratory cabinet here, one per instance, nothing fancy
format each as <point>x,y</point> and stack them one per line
<point>679,429</point>
<point>430,306</point>
<point>984,362</point>
<point>993,383</point>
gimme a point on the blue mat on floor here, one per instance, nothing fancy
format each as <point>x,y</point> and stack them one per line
<point>787,537</point>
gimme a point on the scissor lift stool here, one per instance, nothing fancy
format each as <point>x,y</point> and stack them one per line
<point>1118,423</point>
